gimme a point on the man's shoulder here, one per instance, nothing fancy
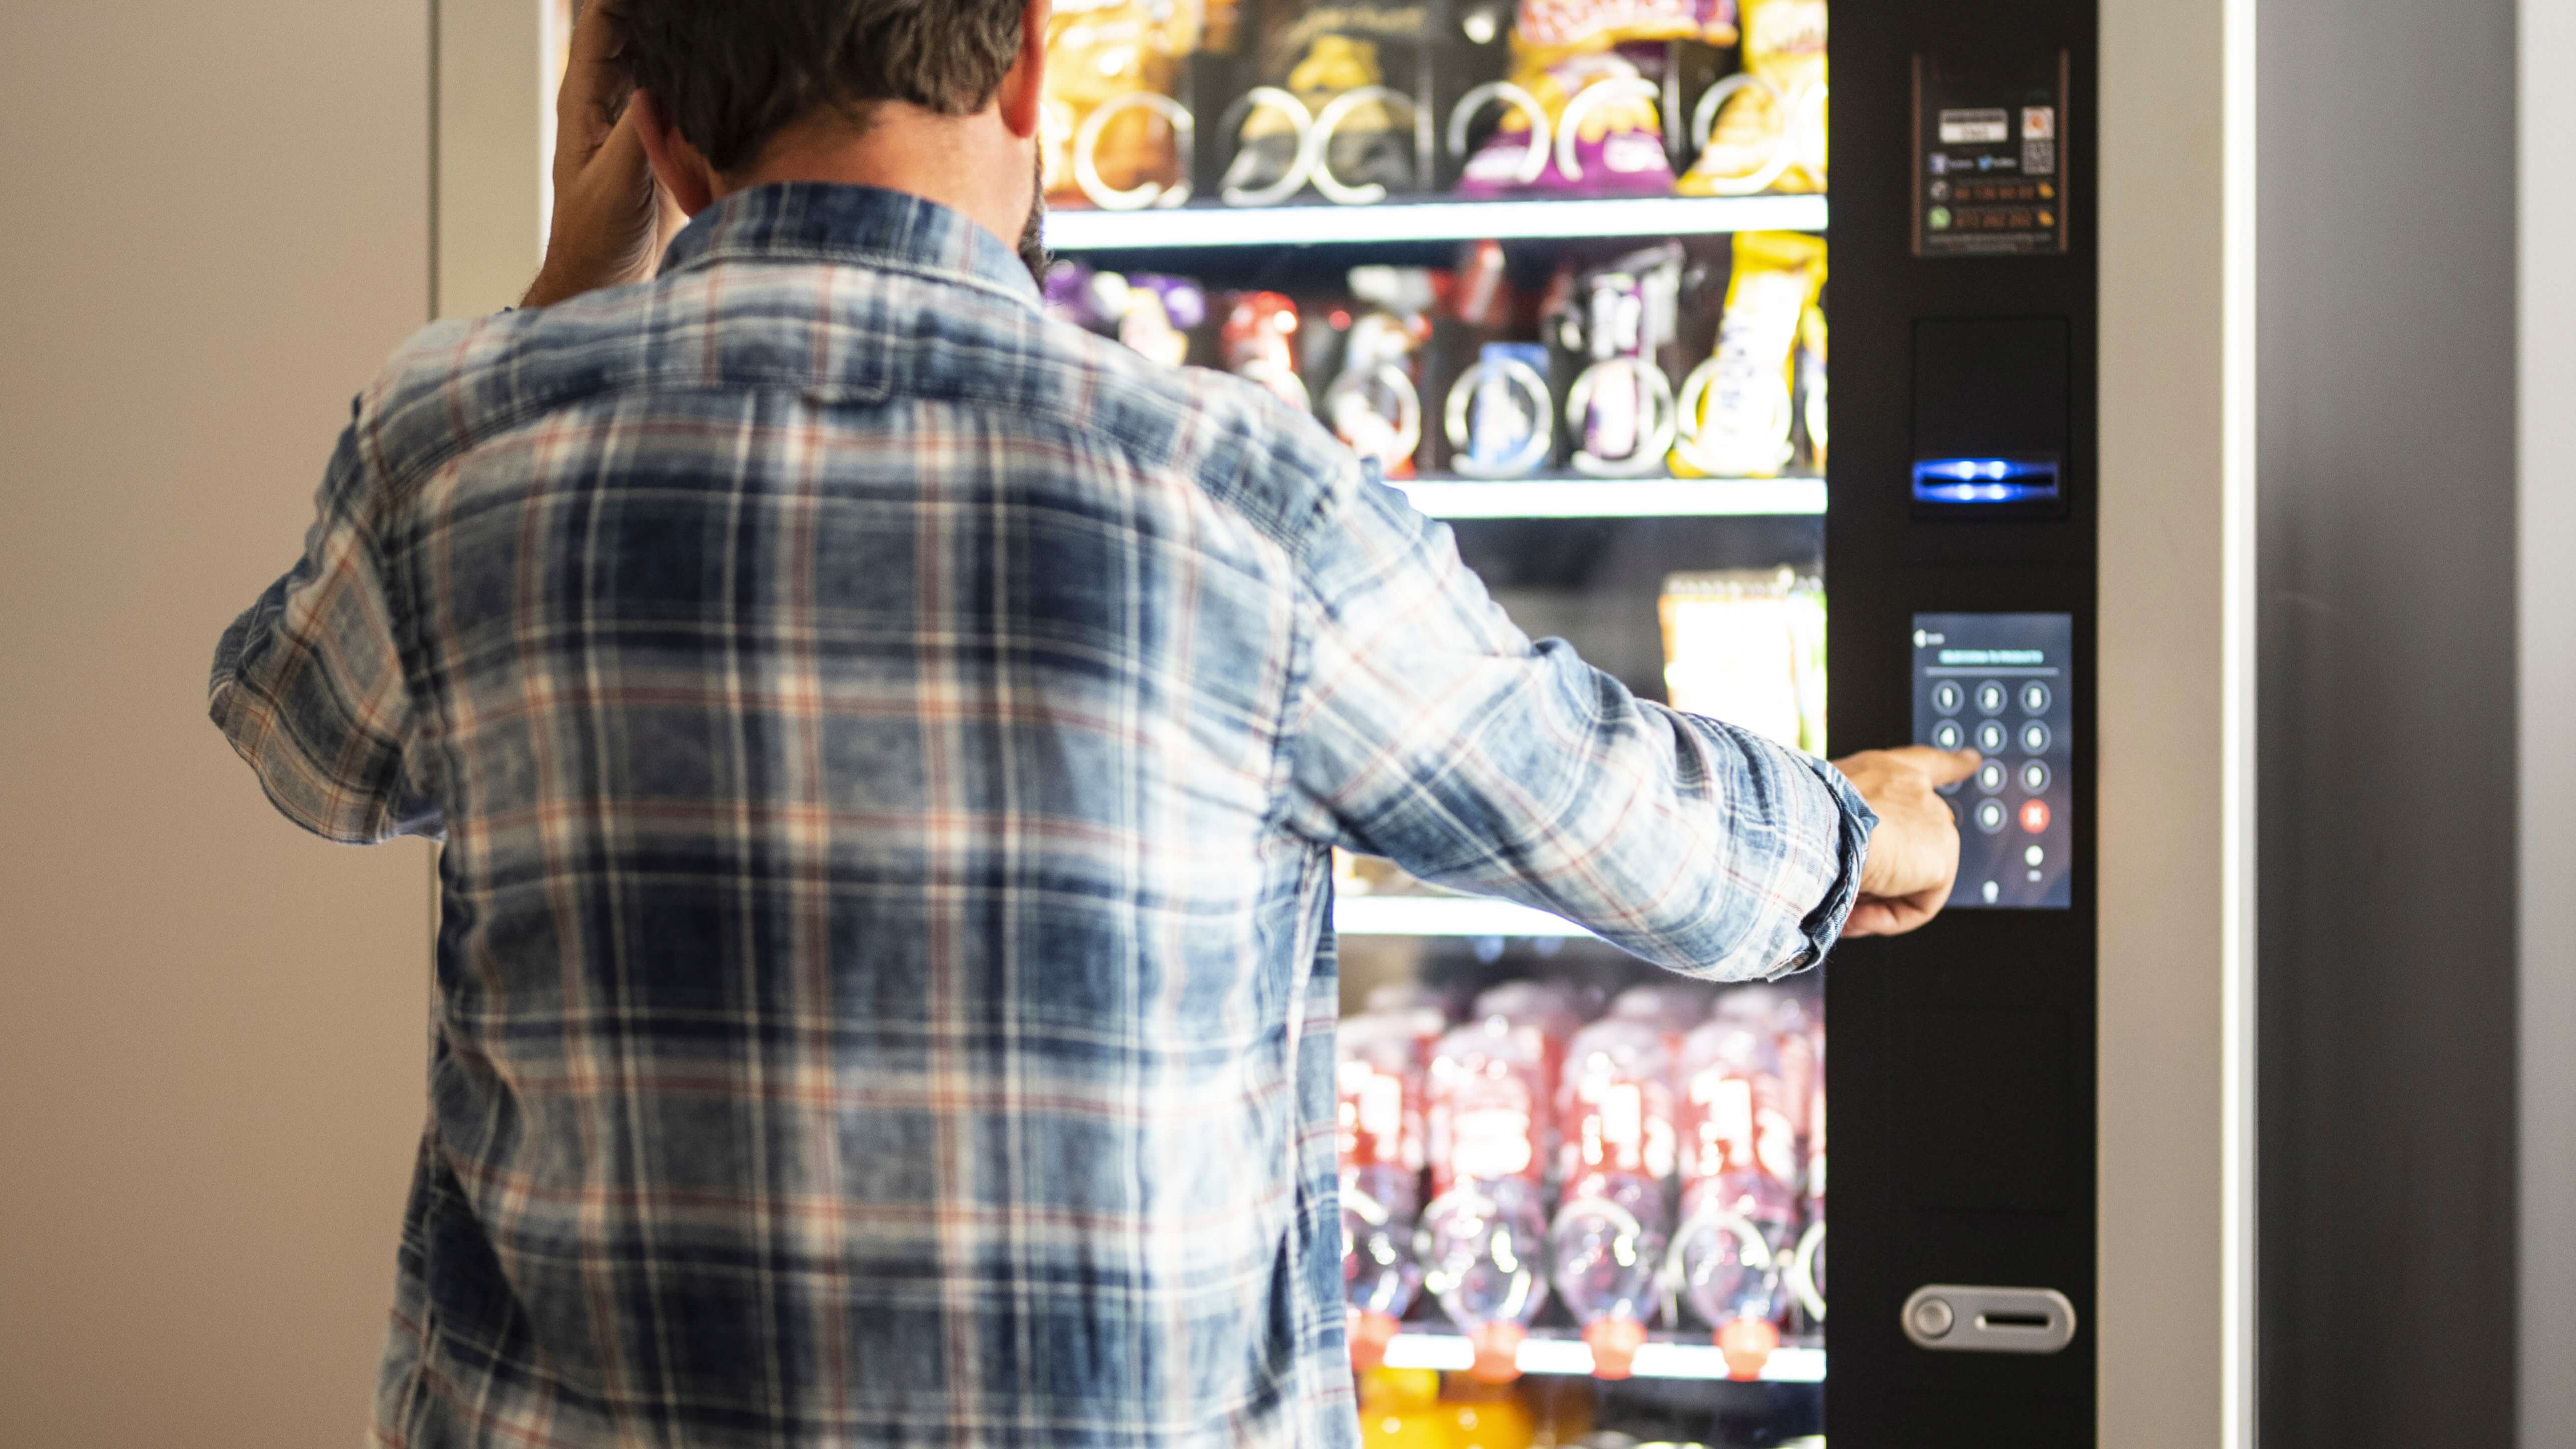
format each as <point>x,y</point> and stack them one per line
<point>857,335</point>
<point>1246,446</point>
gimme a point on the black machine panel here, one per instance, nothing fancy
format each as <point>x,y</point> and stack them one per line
<point>1960,548</point>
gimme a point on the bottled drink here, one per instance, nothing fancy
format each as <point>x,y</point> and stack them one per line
<point>1425,1014</point>
<point>1483,1239</point>
<point>1671,1007</point>
<point>1546,1009</point>
<point>1378,1080</point>
<point>1793,1023</point>
<point>1611,1231</point>
<point>1739,1197</point>
<point>1807,1275</point>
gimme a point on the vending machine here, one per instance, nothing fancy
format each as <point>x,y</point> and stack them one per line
<point>1795,434</point>
<point>1758,348</point>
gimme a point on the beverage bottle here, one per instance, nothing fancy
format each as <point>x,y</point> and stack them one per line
<point>1807,1270</point>
<point>1612,1228</point>
<point>1378,1083</point>
<point>1739,1194</point>
<point>1672,1007</point>
<point>1423,1010</point>
<point>1483,1240</point>
<point>1793,1025</point>
<point>1547,1009</point>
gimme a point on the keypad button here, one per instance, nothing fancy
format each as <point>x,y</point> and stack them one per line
<point>1991,737</point>
<point>2035,738</point>
<point>2035,698</point>
<point>1947,697</point>
<point>1992,816</point>
<point>1991,697</point>
<point>2035,776</point>
<point>2034,816</point>
<point>1948,735</point>
<point>1991,777</point>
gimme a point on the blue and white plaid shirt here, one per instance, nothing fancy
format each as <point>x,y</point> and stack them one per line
<point>887,745</point>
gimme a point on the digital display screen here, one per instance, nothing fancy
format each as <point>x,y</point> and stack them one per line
<point>2004,685</point>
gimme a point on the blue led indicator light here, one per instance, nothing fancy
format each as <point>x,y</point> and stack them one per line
<point>1984,480</point>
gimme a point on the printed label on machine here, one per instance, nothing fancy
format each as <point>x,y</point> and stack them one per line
<point>1989,178</point>
<point>2003,685</point>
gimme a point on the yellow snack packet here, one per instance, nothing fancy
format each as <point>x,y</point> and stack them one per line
<point>1747,646</point>
<point>1769,130</point>
<point>1101,53</point>
<point>1738,409</point>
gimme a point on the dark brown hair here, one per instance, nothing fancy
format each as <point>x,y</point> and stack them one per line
<point>732,74</point>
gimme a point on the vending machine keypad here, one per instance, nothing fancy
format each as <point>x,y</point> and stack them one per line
<point>2002,684</point>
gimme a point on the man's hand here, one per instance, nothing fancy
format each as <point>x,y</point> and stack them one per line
<point>1914,855</point>
<point>611,219</point>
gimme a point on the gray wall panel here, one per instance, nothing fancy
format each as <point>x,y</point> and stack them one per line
<point>2387,722</point>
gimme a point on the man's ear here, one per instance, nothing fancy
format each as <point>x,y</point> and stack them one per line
<point>685,175</point>
<point>1023,94</point>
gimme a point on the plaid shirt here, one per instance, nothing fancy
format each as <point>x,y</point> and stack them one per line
<point>887,745</point>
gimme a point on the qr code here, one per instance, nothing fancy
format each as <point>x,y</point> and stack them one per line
<point>2039,158</point>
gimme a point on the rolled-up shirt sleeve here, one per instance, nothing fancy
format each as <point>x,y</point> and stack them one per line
<point>1434,733</point>
<point>308,684</point>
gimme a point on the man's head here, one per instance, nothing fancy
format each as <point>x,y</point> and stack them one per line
<point>939,97</point>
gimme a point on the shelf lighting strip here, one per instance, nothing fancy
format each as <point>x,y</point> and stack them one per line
<point>1429,221</point>
<point>1452,1354</point>
<point>1621,498</point>
<point>1445,916</point>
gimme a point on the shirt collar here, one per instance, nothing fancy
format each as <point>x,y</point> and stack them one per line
<point>815,221</point>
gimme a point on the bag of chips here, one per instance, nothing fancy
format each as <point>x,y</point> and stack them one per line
<point>1332,111</point>
<point>1738,409</point>
<point>1111,133</point>
<point>1747,646</point>
<point>1259,344</point>
<point>1612,325</point>
<point>1584,101</point>
<point>1763,129</point>
<point>1569,25</point>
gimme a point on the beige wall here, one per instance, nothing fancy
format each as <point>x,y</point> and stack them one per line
<point>210,1039</point>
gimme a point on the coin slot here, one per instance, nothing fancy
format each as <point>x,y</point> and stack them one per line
<point>2029,1322</point>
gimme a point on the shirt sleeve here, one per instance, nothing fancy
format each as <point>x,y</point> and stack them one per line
<point>1434,733</point>
<point>308,684</point>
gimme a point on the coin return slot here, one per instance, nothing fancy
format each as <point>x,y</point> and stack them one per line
<point>1957,1318</point>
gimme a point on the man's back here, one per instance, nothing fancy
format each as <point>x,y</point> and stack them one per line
<point>887,745</point>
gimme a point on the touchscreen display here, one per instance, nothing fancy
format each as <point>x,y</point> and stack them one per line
<point>2003,685</point>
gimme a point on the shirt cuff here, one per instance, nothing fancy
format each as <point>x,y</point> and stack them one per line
<point>1824,925</point>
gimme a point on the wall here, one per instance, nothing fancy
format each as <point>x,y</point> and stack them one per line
<point>2548,646</point>
<point>211,1050</point>
<point>2388,709</point>
<point>2175,636</point>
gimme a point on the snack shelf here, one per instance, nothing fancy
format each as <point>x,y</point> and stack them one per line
<point>1469,916</point>
<point>1660,1359</point>
<point>1205,226</point>
<point>1578,497</point>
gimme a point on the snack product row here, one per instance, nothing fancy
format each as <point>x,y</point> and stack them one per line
<point>1659,1167</point>
<point>1420,1409</point>
<point>1260,102</point>
<point>1642,365</point>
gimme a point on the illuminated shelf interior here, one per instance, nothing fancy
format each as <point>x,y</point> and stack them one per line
<point>1444,916</point>
<point>1657,1360</point>
<point>1619,498</point>
<point>1429,221</point>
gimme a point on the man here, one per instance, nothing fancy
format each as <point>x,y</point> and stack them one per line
<point>887,747</point>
